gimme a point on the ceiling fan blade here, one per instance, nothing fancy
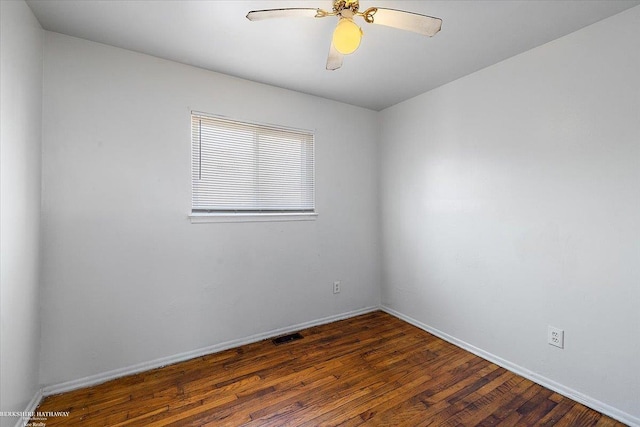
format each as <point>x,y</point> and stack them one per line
<point>334,61</point>
<point>258,15</point>
<point>422,24</point>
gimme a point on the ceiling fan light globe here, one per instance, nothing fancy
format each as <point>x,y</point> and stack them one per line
<point>347,36</point>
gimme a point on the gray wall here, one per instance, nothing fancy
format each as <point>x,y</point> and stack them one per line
<point>126,277</point>
<point>511,201</point>
<point>20,148</point>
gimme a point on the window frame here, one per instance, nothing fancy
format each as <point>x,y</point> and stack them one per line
<point>249,215</point>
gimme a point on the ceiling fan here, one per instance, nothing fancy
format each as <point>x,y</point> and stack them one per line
<point>347,35</point>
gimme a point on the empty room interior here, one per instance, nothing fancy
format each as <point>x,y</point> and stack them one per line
<point>442,198</point>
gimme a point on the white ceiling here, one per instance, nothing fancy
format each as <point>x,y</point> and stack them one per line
<point>390,65</point>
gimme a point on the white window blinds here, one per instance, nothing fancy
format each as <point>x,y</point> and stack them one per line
<point>243,167</point>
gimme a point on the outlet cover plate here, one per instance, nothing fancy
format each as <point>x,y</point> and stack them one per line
<point>555,336</point>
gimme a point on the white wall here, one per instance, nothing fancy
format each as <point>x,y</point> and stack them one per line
<point>20,148</point>
<point>126,277</point>
<point>511,201</point>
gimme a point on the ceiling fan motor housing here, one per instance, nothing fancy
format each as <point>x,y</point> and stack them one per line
<point>349,6</point>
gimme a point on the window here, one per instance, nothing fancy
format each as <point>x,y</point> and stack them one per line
<point>243,168</point>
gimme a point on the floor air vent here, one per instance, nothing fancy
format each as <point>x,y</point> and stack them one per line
<point>287,338</point>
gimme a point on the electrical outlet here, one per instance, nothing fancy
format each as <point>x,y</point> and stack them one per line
<point>336,287</point>
<point>555,337</point>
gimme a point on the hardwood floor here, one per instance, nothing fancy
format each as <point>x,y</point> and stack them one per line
<point>373,369</point>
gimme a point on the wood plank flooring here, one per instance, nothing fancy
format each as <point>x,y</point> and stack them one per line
<point>372,369</point>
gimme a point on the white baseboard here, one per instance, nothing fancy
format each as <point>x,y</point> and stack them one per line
<point>537,378</point>
<point>31,407</point>
<point>181,357</point>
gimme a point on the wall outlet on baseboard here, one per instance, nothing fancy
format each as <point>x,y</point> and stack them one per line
<point>555,337</point>
<point>336,287</point>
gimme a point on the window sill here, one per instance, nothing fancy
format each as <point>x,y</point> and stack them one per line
<point>201,218</point>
